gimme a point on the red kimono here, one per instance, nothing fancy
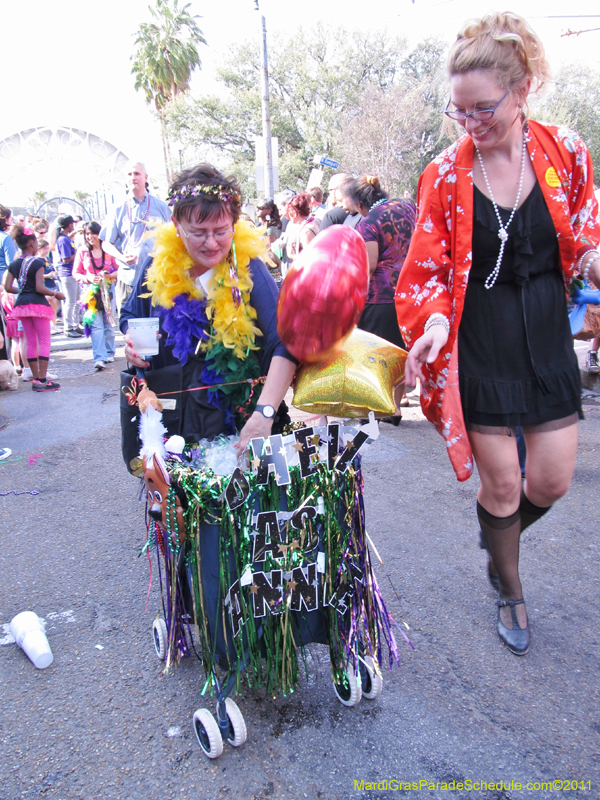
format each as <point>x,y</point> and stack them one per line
<point>436,271</point>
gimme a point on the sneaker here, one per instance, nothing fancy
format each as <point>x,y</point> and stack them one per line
<point>45,386</point>
<point>50,376</point>
<point>4,453</point>
<point>592,364</point>
<point>110,359</point>
<point>74,334</point>
<point>99,365</point>
<point>27,375</point>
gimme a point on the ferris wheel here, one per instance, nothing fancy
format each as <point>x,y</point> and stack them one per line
<point>60,161</point>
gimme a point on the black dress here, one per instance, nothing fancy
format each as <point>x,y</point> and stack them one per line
<point>517,365</point>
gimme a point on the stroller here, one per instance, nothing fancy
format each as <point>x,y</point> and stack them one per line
<point>257,564</point>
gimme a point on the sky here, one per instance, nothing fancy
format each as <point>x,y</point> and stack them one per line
<point>73,68</point>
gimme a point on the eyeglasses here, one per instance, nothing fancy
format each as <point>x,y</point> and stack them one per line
<point>200,237</point>
<point>480,114</point>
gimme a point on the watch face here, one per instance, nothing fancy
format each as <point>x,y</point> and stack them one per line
<point>267,411</point>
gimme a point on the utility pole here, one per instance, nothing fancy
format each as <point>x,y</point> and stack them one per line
<point>266,114</point>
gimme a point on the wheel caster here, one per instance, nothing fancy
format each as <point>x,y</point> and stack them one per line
<point>372,682</point>
<point>349,692</point>
<point>208,733</point>
<point>161,638</point>
<point>237,727</point>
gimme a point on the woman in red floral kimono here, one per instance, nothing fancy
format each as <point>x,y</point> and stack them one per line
<point>507,219</point>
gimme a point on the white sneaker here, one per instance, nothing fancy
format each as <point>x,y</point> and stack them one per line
<point>99,365</point>
<point>592,362</point>
<point>110,359</point>
<point>51,376</point>
<point>4,453</point>
<point>27,375</point>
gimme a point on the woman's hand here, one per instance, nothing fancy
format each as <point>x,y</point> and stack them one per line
<point>131,355</point>
<point>59,296</point>
<point>95,279</point>
<point>424,351</point>
<point>257,427</point>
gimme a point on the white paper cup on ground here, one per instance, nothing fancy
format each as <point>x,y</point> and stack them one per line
<point>36,647</point>
<point>27,630</point>
<point>144,336</point>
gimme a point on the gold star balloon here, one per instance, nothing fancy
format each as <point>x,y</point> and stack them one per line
<point>359,377</point>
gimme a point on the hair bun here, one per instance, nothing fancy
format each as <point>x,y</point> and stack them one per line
<point>373,180</point>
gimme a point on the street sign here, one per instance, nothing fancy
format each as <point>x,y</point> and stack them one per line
<point>327,162</point>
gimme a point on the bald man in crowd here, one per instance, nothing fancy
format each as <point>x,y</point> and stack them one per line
<point>124,232</point>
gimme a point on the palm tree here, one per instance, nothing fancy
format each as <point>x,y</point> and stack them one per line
<point>38,198</point>
<point>166,55</point>
<point>81,196</point>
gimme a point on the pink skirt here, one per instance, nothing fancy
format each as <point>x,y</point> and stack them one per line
<point>32,310</point>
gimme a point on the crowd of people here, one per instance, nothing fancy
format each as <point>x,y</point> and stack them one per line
<point>72,277</point>
<point>473,278</point>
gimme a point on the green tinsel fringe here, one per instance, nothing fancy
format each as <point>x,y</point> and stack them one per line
<point>265,651</point>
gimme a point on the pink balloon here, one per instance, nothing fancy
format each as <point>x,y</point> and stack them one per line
<point>324,293</point>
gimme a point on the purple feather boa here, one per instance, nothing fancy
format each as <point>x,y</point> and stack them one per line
<point>186,324</point>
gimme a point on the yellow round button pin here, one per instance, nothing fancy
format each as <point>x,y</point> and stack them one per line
<point>552,178</point>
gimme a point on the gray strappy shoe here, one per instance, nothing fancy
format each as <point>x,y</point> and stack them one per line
<point>517,639</point>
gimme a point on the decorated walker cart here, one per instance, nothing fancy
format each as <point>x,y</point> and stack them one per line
<point>257,564</point>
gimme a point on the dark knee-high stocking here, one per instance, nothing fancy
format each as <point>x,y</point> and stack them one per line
<point>501,534</point>
<point>529,512</point>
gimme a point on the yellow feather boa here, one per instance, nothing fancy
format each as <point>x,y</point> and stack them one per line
<point>168,277</point>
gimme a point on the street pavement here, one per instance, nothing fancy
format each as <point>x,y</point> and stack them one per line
<point>104,723</point>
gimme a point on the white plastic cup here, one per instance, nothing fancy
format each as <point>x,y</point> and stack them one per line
<point>144,336</point>
<point>27,630</point>
<point>36,647</point>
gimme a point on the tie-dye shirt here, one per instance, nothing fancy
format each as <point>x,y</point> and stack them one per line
<point>390,225</point>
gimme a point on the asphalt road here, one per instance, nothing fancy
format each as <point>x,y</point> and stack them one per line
<point>104,723</point>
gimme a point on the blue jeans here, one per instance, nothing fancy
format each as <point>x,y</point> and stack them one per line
<point>103,338</point>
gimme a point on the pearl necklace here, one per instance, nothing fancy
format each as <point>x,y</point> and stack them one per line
<point>502,231</point>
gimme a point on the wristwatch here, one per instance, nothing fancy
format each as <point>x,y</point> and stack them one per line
<point>267,411</point>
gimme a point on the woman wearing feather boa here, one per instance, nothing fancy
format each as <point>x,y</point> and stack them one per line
<point>216,302</point>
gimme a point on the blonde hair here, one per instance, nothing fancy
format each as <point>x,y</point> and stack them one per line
<point>505,44</point>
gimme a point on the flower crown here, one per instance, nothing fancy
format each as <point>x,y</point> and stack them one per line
<point>216,190</point>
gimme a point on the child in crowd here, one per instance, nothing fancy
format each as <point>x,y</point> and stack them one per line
<point>31,306</point>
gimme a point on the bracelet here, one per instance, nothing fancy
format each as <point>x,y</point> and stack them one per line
<point>586,270</point>
<point>437,319</point>
<point>595,255</point>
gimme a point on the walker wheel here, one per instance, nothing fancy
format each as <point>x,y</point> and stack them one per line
<point>237,727</point>
<point>208,733</point>
<point>372,682</point>
<point>349,692</point>
<point>161,638</point>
